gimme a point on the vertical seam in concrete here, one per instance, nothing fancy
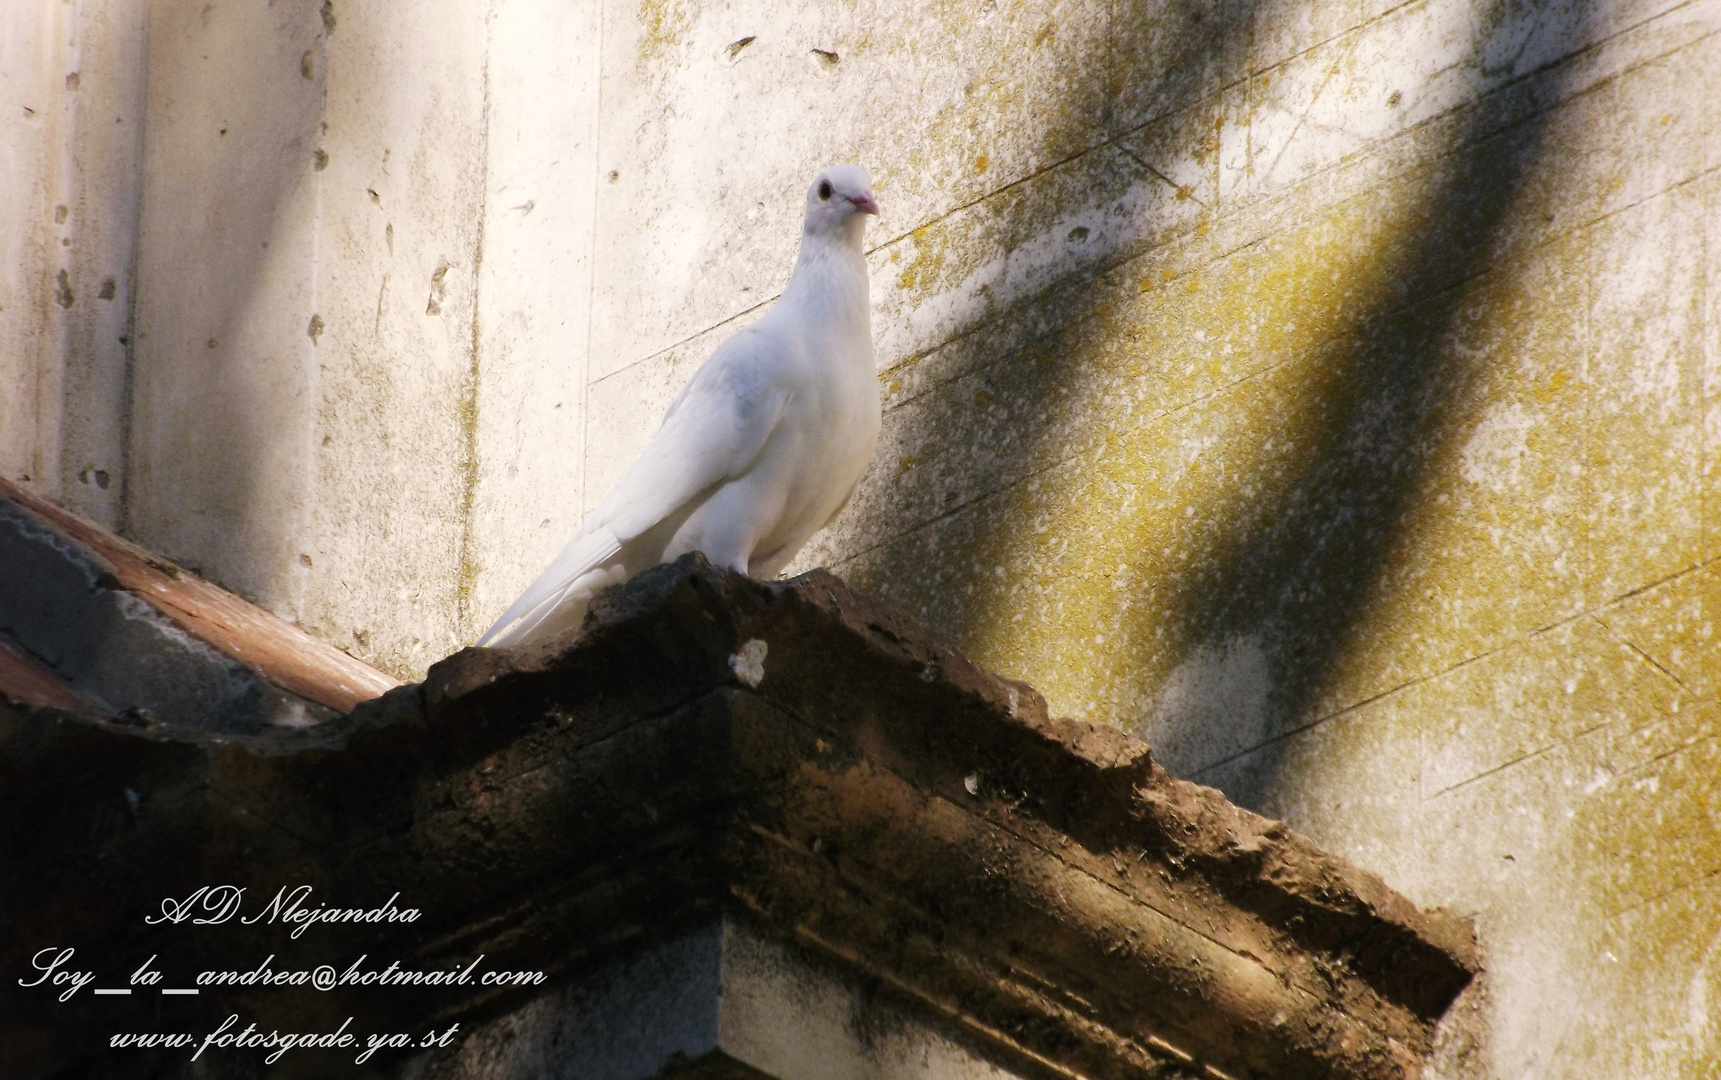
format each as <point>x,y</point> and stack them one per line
<point>467,572</point>
<point>128,375</point>
<point>61,187</point>
<point>69,192</point>
<point>1706,330</point>
<point>1584,237</point>
<point>298,581</point>
<point>128,369</point>
<point>592,268</point>
<point>1108,110</point>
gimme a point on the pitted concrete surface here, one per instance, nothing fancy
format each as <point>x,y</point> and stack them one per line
<point>1324,392</point>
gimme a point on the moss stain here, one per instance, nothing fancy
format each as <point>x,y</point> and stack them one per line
<point>662,26</point>
<point>923,276</point>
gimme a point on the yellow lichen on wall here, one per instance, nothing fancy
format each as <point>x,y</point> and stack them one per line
<point>1384,500</point>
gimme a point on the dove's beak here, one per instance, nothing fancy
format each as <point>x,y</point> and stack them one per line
<point>864,204</point>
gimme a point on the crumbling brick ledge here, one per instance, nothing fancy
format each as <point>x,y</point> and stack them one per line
<point>790,757</point>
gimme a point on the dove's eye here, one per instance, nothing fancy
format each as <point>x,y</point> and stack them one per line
<point>824,189</point>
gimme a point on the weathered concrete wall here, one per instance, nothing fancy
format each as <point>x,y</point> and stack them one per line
<point>1328,392</point>
<point>1355,444</point>
<point>71,131</point>
<point>218,472</point>
<point>1379,490</point>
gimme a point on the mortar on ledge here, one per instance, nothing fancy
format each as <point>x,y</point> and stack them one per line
<point>745,829</point>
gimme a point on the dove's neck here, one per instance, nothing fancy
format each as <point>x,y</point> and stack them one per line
<point>829,285</point>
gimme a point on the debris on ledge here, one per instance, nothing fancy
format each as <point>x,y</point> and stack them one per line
<point>735,824</point>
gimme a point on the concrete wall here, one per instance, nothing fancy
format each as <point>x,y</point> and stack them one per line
<point>1329,392</point>
<point>71,136</point>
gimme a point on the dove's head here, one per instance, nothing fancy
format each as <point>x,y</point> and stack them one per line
<point>838,202</point>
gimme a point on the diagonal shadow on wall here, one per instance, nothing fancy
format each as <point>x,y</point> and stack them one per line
<point>1293,556</point>
<point>215,462</point>
<point>1302,566</point>
<point>999,402</point>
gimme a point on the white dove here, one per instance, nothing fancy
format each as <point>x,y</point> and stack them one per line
<point>761,449</point>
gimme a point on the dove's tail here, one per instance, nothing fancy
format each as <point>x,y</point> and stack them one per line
<point>573,578</point>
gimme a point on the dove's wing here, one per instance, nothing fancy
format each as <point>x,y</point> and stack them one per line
<point>713,431</point>
<point>586,552</point>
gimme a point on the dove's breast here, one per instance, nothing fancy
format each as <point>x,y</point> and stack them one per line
<point>816,466</point>
<point>805,471</point>
<point>822,462</point>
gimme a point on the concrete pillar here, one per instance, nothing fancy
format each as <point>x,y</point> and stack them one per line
<point>366,273</point>
<point>225,368</point>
